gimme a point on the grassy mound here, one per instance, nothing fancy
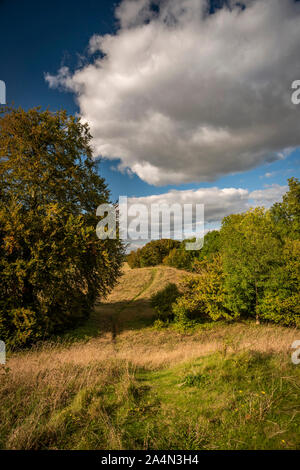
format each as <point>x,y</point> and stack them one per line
<point>117,383</point>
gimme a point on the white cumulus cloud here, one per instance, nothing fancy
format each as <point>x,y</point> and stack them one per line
<point>179,95</point>
<point>218,202</point>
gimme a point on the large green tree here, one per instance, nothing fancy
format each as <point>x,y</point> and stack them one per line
<point>251,252</point>
<point>52,265</point>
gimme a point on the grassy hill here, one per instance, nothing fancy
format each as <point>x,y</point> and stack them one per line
<point>118,383</point>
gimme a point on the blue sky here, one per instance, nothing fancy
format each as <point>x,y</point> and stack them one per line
<point>41,37</point>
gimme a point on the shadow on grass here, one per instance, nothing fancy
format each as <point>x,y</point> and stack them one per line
<point>114,318</point>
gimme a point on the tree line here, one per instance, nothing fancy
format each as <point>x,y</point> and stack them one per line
<point>173,253</point>
<point>248,269</point>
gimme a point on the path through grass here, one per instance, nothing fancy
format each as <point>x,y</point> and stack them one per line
<point>223,386</point>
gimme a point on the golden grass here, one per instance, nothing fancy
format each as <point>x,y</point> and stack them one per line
<point>148,347</point>
<point>154,349</point>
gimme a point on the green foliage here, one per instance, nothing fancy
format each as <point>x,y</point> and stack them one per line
<point>162,302</point>
<point>152,253</point>
<point>250,268</point>
<point>203,295</point>
<point>173,253</point>
<point>133,259</point>
<point>211,246</point>
<point>286,214</point>
<point>251,252</point>
<point>188,260</point>
<point>52,265</point>
<point>281,301</point>
<point>179,258</point>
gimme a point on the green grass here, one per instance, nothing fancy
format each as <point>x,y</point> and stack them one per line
<point>244,401</point>
<point>240,401</point>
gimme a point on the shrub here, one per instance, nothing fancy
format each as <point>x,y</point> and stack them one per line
<point>133,259</point>
<point>203,295</point>
<point>162,302</point>
<point>179,258</point>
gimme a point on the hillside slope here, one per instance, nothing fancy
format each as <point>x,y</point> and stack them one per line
<point>118,383</point>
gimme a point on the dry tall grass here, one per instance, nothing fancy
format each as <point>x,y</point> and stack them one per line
<point>145,346</point>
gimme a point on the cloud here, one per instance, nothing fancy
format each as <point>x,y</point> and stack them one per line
<point>179,95</point>
<point>270,174</point>
<point>218,203</point>
<point>266,197</point>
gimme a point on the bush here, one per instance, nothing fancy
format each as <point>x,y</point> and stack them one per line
<point>52,264</point>
<point>133,259</point>
<point>203,296</point>
<point>179,258</point>
<point>162,302</point>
